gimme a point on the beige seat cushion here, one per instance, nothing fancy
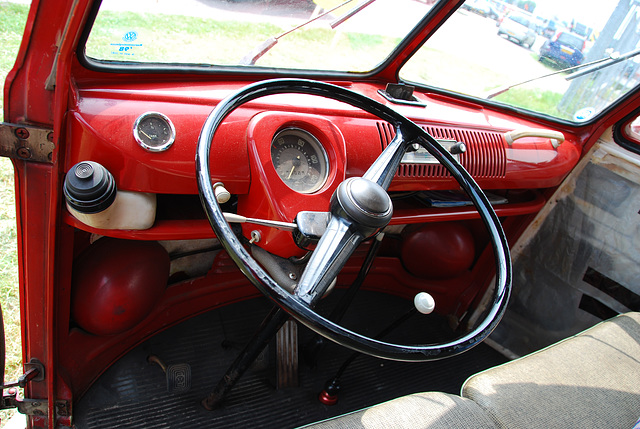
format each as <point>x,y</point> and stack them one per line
<point>591,380</point>
<point>421,410</point>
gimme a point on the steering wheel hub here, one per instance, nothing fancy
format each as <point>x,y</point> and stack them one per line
<point>364,201</point>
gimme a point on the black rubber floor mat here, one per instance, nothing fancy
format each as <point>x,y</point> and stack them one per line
<point>135,393</point>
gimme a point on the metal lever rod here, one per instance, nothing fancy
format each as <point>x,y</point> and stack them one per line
<point>235,218</point>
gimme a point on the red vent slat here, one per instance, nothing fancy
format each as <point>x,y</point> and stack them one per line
<point>485,157</point>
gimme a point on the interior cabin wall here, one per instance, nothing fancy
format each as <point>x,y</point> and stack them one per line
<point>579,260</point>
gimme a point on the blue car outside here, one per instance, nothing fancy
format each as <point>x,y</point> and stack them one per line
<point>565,49</point>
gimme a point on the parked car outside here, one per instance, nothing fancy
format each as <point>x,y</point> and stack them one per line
<point>550,29</point>
<point>565,49</point>
<point>545,27</point>
<point>519,28</point>
<point>482,8</point>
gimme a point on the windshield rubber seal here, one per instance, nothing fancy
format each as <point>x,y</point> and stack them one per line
<point>622,138</point>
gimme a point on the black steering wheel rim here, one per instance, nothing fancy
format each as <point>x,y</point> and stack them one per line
<point>293,304</point>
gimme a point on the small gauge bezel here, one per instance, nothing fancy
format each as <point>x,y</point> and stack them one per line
<point>318,148</point>
<point>154,148</point>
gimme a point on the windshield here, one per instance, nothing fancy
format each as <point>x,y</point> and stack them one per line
<point>473,53</point>
<point>287,34</point>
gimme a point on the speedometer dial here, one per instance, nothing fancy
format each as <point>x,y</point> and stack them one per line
<point>300,160</point>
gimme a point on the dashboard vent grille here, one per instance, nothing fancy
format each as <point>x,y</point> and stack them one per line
<point>485,157</point>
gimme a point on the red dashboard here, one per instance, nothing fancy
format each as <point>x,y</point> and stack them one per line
<point>102,130</point>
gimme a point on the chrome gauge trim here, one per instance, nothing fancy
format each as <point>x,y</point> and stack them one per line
<point>300,160</point>
<point>164,131</point>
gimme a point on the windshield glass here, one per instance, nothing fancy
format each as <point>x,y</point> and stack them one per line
<point>482,55</point>
<point>337,35</point>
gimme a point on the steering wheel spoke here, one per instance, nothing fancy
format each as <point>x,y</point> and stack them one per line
<point>384,167</point>
<point>336,245</point>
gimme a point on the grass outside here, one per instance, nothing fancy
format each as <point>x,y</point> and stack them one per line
<point>12,21</point>
<point>477,81</point>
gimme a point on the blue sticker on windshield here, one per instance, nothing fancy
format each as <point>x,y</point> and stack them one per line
<point>127,48</point>
<point>584,114</point>
<point>130,36</point>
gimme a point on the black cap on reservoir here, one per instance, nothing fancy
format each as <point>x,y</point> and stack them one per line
<point>89,187</point>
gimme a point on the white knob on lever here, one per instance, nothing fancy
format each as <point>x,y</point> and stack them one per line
<point>221,193</point>
<point>424,303</point>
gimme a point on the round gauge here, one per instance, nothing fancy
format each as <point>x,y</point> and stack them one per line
<point>300,160</point>
<point>154,131</point>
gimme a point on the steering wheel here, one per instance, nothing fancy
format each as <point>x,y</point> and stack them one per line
<point>359,208</point>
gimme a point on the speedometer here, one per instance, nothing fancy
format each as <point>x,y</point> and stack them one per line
<point>300,160</point>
